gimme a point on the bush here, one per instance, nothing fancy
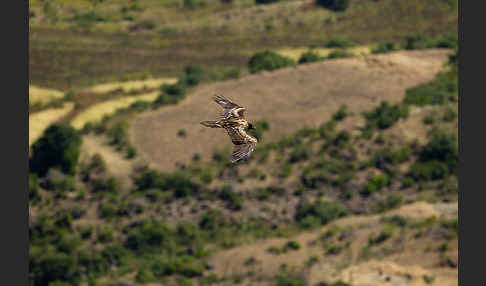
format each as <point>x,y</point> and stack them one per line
<point>33,187</point>
<point>414,42</point>
<point>429,171</point>
<point>321,212</point>
<point>268,60</point>
<point>335,5</point>
<point>118,134</point>
<point>437,92</point>
<point>339,53</point>
<point>191,4</point>
<point>384,48</point>
<point>265,1</point>
<point>375,184</point>
<point>59,146</point>
<point>235,201</point>
<point>341,113</point>
<point>108,211</point>
<point>301,153</point>
<point>309,57</point>
<point>385,115</point>
<point>443,148</point>
<point>194,75</point>
<point>180,183</point>
<point>290,279</point>
<point>449,115</point>
<point>338,41</point>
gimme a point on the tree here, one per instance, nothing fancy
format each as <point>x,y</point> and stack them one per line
<point>59,147</point>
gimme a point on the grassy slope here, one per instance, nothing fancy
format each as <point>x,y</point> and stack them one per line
<point>278,209</point>
<point>63,55</point>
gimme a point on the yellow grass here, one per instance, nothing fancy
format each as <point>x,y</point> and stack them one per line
<point>39,121</point>
<point>295,53</point>
<point>96,112</point>
<point>131,85</point>
<point>43,95</point>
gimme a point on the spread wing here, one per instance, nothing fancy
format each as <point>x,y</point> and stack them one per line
<point>243,143</point>
<point>229,108</point>
<point>242,151</point>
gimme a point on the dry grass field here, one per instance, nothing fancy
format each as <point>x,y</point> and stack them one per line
<point>288,99</point>
<point>130,86</point>
<point>295,53</point>
<point>96,112</point>
<point>39,121</point>
<point>43,95</point>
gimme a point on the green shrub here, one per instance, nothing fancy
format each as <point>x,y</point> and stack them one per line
<point>265,1</point>
<point>140,105</point>
<point>268,60</point>
<point>338,41</point>
<point>339,53</point>
<point>384,235</point>
<point>150,236</point>
<point>385,115</point>
<point>293,245</point>
<point>55,267</point>
<point>290,279</point>
<point>335,5</point>
<point>437,92</point>
<point>59,146</point>
<point>176,89</point>
<point>118,134</point>
<point>194,75</point>
<point>449,115</point>
<point>309,57</point>
<point>375,184</point>
<point>33,187</point>
<point>105,234</point>
<point>227,194</point>
<point>320,211</point>
<point>392,201</point>
<point>301,153</point>
<point>428,171</point>
<point>180,183</point>
<point>341,113</point>
<point>108,211</point>
<point>443,148</point>
<point>341,139</point>
<point>418,41</point>
<point>192,4</point>
<point>385,47</point>
<point>447,41</point>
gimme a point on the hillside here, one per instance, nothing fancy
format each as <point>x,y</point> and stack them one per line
<point>288,100</point>
<point>118,219</point>
<point>354,179</point>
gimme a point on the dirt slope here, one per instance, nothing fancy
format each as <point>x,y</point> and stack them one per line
<point>403,267</point>
<point>288,99</point>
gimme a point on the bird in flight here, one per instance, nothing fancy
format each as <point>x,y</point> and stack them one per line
<point>235,124</point>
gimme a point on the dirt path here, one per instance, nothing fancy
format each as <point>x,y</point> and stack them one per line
<point>288,99</point>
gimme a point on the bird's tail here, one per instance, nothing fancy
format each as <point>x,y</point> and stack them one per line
<point>211,123</point>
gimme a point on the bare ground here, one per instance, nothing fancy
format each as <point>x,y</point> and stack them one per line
<point>288,99</point>
<point>405,267</point>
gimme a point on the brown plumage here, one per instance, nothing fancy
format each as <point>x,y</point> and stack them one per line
<point>233,121</point>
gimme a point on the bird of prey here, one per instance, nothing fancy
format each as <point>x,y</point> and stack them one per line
<point>235,124</point>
